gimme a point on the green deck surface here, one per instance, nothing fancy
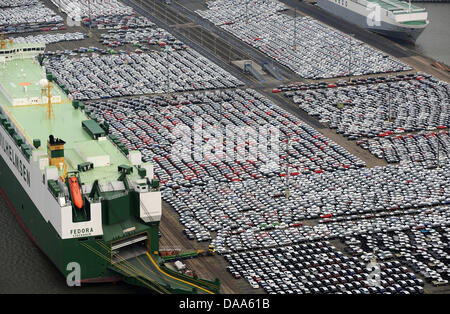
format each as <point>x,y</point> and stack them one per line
<point>66,124</point>
<point>414,23</point>
<point>21,71</point>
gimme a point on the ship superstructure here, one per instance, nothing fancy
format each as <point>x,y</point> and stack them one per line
<point>80,194</point>
<point>391,18</point>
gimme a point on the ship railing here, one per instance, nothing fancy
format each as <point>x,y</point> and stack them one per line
<point>18,140</point>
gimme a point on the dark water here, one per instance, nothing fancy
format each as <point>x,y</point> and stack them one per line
<point>434,42</point>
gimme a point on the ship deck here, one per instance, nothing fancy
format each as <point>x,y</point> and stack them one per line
<point>18,71</point>
<point>397,7</point>
<point>33,123</point>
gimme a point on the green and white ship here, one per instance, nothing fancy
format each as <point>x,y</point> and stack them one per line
<point>79,194</point>
<point>391,18</point>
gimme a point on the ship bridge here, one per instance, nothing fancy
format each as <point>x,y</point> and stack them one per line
<point>402,12</point>
<point>397,7</point>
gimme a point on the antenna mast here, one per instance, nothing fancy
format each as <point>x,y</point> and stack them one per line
<point>46,91</point>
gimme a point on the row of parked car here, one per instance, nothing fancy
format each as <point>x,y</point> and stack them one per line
<point>254,238</point>
<point>424,250</point>
<point>106,76</point>
<point>428,148</point>
<point>319,268</point>
<point>258,206</point>
<point>291,89</point>
<point>217,118</point>
<point>379,109</point>
<point>102,14</point>
<point>16,3</point>
<point>308,47</point>
<point>29,18</point>
<point>50,38</point>
<point>139,37</point>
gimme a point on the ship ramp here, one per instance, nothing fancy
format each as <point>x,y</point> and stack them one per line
<point>131,260</point>
<point>269,68</point>
<point>248,68</point>
<point>144,270</point>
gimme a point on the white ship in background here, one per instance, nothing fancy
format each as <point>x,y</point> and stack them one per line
<point>392,18</point>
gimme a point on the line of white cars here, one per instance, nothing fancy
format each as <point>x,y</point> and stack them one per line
<point>310,48</point>
<point>95,77</point>
<point>379,109</point>
<point>319,268</point>
<point>102,14</point>
<point>424,147</point>
<point>424,250</point>
<point>29,18</point>
<point>51,38</point>
<point>94,9</point>
<point>16,3</point>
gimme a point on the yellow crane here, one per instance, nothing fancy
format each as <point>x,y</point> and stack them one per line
<point>46,91</point>
<point>4,41</point>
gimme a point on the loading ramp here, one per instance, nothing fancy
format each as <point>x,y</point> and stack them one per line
<point>141,268</point>
<point>144,270</point>
<point>269,68</point>
<point>248,68</point>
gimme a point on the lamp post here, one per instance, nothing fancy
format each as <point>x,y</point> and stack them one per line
<point>389,105</point>
<point>90,18</point>
<point>350,57</point>
<point>246,12</point>
<point>288,191</point>
<point>438,151</point>
<point>295,30</point>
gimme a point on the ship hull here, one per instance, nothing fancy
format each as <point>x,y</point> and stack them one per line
<point>409,34</point>
<point>60,252</point>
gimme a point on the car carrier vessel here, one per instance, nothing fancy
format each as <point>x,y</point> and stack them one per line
<point>391,18</point>
<point>79,194</point>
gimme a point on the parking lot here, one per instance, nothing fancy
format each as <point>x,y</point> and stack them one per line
<point>318,268</point>
<point>311,49</point>
<point>239,212</point>
<point>428,148</point>
<point>345,205</point>
<point>309,151</point>
<point>28,16</point>
<point>373,107</point>
<point>50,38</point>
<point>169,70</point>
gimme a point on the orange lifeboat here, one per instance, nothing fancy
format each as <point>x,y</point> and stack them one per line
<point>76,192</point>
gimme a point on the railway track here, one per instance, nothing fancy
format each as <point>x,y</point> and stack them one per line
<point>209,45</point>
